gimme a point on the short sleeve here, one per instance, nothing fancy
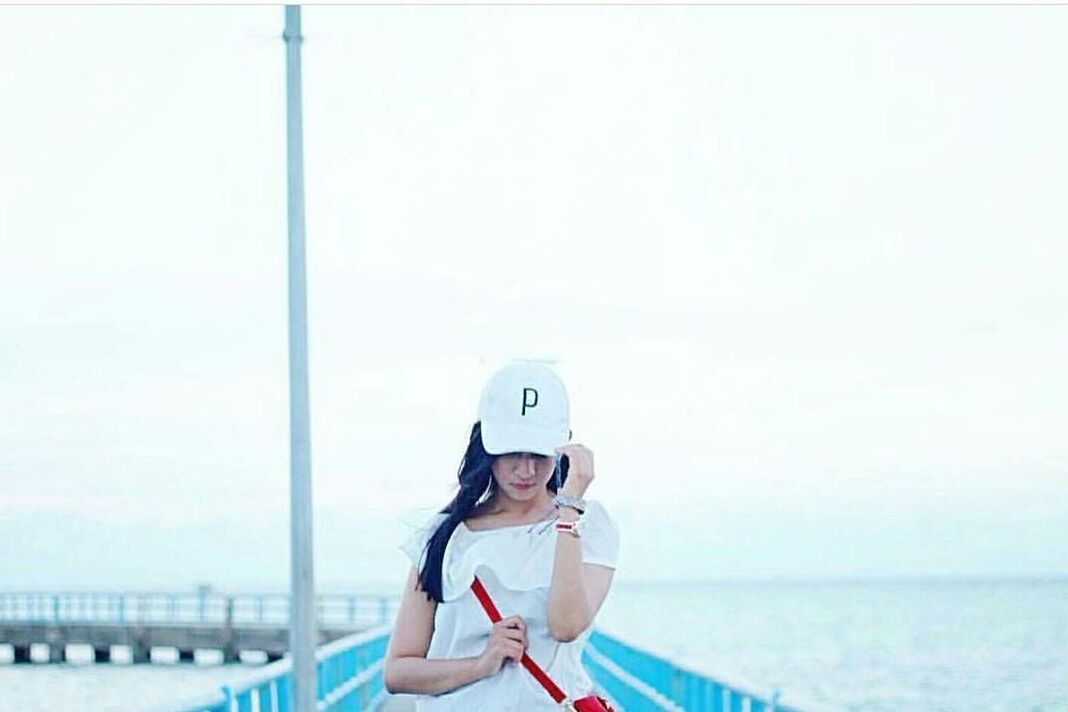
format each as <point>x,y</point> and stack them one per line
<point>414,544</point>
<point>600,536</point>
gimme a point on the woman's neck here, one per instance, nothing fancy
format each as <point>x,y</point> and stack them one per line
<point>503,506</point>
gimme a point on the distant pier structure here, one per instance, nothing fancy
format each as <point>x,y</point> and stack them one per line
<point>354,632</point>
<point>186,622</point>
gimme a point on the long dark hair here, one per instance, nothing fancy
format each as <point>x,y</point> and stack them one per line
<point>477,485</point>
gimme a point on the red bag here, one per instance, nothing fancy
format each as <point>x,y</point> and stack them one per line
<point>590,703</point>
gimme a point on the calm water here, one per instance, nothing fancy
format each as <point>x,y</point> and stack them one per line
<point>867,646</point>
<point>854,646</point>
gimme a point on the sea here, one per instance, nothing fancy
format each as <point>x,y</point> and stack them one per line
<point>835,645</point>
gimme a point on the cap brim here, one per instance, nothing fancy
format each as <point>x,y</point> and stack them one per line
<point>504,439</point>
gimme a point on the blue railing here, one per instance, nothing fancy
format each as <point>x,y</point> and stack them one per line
<point>637,680</point>
<point>208,608</point>
<point>349,673</point>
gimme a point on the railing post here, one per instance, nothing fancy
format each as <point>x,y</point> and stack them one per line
<point>55,608</point>
<point>773,700</point>
<point>265,697</point>
<point>227,705</point>
<point>283,693</point>
<point>230,654</point>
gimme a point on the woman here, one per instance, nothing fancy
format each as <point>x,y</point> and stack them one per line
<point>521,485</point>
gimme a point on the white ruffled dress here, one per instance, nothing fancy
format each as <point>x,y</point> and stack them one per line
<point>515,564</point>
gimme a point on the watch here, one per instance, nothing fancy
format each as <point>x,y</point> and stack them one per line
<point>572,528</point>
<point>576,503</point>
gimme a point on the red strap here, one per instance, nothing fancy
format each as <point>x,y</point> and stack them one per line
<point>539,674</point>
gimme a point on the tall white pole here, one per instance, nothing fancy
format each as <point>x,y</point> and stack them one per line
<point>302,624</point>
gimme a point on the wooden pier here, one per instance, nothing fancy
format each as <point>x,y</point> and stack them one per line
<point>184,622</point>
<point>140,638</point>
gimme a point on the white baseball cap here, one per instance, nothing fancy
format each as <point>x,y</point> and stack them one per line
<point>524,408</point>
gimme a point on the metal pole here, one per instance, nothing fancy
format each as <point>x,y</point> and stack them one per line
<point>302,632</point>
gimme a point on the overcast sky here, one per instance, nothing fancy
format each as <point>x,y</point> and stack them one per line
<point>801,269</point>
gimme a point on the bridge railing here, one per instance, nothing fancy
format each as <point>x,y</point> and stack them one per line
<point>349,673</point>
<point>633,678</point>
<point>187,608</point>
<point>637,679</point>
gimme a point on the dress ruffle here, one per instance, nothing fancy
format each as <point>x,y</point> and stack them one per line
<point>520,561</point>
<point>519,557</point>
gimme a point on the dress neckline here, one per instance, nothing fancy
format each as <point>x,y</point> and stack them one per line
<point>497,529</point>
<point>546,518</point>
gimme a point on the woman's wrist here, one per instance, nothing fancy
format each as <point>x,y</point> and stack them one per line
<point>567,514</point>
<point>433,676</point>
<point>477,669</point>
<point>569,491</point>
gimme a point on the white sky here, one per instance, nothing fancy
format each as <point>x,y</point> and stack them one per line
<point>801,268</point>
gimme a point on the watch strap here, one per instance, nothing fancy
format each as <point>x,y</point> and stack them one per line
<point>576,503</point>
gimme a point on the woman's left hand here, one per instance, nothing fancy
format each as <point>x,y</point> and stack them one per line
<point>579,469</point>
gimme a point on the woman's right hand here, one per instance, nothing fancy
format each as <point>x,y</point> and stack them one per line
<point>507,641</point>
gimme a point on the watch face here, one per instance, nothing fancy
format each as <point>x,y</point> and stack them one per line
<point>575,529</point>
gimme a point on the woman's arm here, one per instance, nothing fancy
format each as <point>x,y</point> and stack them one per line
<point>577,590</point>
<point>406,667</point>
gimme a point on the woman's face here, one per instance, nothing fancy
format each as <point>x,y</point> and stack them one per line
<point>523,475</point>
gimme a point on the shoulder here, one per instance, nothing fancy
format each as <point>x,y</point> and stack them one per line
<point>600,540</point>
<point>417,536</point>
<point>598,518</point>
<point>423,528</point>
<point>431,525</point>
<point>425,520</point>
<point>597,509</point>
